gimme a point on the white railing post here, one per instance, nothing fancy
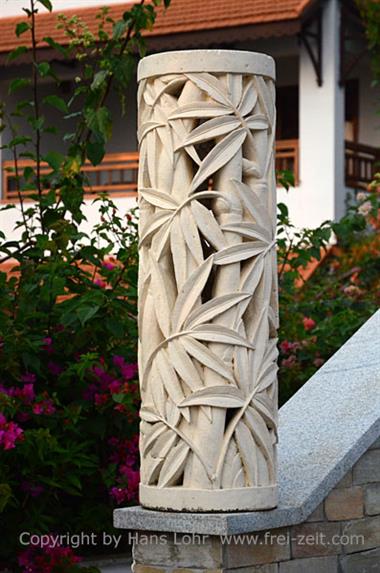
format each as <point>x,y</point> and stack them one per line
<point>208,281</point>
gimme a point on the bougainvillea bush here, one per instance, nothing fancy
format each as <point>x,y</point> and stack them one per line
<point>318,315</point>
<point>68,338</point>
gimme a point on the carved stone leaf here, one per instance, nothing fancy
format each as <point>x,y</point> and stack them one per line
<point>170,87</point>
<point>219,333</point>
<point>261,435</point>
<point>184,365</point>
<point>212,86</point>
<point>163,304</point>
<point>249,230</point>
<point>200,109</point>
<point>208,225</point>
<point>219,156</point>
<point>265,408</point>
<point>179,134</point>
<point>253,204</point>
<point>213,308</point>
<point>235,88</point>
<point>249,99</point>
<point>147,127</point>
<point>179,252</point>
<point>232,466</point>
<point>206,357</point>
<point>257,122</point>
<point>156,430</point>
<point>159,198</point>
<point>168,376</point>
<point>148,415</point>
<point>151,139</point>
<point>239,252</point>
<point>164,443</point>
<point>224,396</point>
<point>265,98</point>
<point>151,469</point>
<point>155,222</point>
<point>191,234</point>
<point>246,445</point>
<point>211,129</point>
<point>173,465</point>
<point>190,293</point>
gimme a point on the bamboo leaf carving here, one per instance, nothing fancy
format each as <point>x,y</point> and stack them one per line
<point>207,278</point>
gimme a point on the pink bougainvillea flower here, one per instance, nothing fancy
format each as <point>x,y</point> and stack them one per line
<point>318,362</point>
<point>32,489</point>
<point>352,290</point>
<point>287,347</point>
<point>54,368</point>
<point>26,393</point>
<point>10,433</point>
<point>47,345</point>
<point>100,283</point>
<point>308,323</point>
<point>115,387</point>
<point>109,264</point>
<point>28,378</point>
<point>101,399</point>
<point>45,406</point>
<point>289,362</point>
<point>47,560</point>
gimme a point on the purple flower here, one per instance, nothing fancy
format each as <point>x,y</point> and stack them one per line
<point>28,377</point>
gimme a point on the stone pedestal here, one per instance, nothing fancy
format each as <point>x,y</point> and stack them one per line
<point>207,286</point>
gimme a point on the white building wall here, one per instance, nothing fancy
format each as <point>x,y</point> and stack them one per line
<point>321,194</point>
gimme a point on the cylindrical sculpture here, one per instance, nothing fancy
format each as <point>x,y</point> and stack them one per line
<point>208,281</point>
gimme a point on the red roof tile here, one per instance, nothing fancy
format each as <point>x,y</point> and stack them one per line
<point>182,16</point>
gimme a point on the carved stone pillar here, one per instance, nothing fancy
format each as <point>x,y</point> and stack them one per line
<point>208,281</point>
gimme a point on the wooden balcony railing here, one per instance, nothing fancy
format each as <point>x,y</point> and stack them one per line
<point>117,174</point>
<point>287,157</point>
<point>361,164</point>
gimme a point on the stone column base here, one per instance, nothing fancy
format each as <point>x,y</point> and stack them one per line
<point>237,499</point>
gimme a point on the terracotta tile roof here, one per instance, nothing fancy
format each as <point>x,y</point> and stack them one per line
<point>182,16</point>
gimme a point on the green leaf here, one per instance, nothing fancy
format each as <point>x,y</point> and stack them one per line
<point>18,84</point>
<point>95,152</point>
<point>56,102</point>
<point>5,495</point>
<point>99,121</point>
<point>53,44</point>
<point>21,28</point>
<point>54,159</point>
<point>43,69</point>
<point>119,29</point>
<point>99,79</point>
<point>48,5</point>
<point>85,313</point>
<point>16,53</point>
<point>19,140</point>
<point>28,173</point>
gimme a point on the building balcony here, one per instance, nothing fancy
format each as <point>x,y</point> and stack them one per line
<point>117,174</point>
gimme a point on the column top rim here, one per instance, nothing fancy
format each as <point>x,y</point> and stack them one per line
<point>212,61</point>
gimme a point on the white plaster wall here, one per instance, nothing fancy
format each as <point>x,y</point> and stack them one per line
<point>9,218</point>
<point>321,193</point>
<point>14,7</point>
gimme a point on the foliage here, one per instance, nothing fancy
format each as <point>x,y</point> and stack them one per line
<point>318,316</point>
<point>370,14</point>
<point>69,393</point>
